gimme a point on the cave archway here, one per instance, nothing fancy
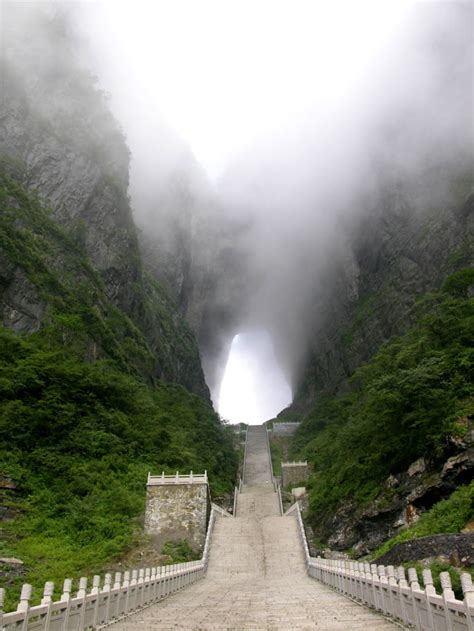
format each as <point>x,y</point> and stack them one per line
<point>254,387</point>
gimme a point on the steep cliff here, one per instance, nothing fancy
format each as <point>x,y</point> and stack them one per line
<point>55,124</point>
<point>401,249</point>
<point>386,397</point>
<point>100,375</point>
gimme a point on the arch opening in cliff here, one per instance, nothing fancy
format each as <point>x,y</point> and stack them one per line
<point>254,387</point>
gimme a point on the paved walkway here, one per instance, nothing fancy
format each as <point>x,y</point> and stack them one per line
<point>256,577</point>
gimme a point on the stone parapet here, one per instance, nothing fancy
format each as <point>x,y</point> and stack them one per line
<point>177,508</point>
<point>293,473</point>
<point>284,429</point>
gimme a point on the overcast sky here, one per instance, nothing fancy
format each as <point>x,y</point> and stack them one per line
<point>225,72</point>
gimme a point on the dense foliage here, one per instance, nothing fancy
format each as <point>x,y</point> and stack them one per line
<point>80,423</point>
<point>403,404</point>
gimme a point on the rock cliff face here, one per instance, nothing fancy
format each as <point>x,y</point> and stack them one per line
<point>197,253</point>
<point>402,499</point>
<point>398,252</point>
<point>56,127</point>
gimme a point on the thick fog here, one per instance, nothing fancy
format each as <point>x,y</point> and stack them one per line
<point>272,127</point>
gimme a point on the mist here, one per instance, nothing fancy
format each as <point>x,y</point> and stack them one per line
<point>260,134</point>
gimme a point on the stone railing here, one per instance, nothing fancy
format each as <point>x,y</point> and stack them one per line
<point>237,490</point>
<point>296,509</point>
<point>387,590</point>
<point>269,452</point>
<point>300,463</point>
<point>177,478</point>
<point>245,455</point>
<point>278,490</point>
<point>106,601</point>
<point>220,511</point>
<point>276,484</point>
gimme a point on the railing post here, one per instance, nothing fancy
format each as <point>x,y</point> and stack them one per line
<point>66,596</point>
<point>117,588</point>
<point>429,591</point>
<point>448,595</point>
<point>95,590</point>
<point>126,586</point>
<point>133,588</point>
<point>375,582</point>
<point>468,591</point>
<point>82,593</point>
<point>392,584</point>
<point>47,600</point>
<point>414,587</point>
<point>106,592</point>
<point>24,604</point>
<point>383,583</point>
<point>2,602</point>
<point>141,585</point>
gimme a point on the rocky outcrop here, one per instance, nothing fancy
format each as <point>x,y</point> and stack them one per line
<point>402,499</point>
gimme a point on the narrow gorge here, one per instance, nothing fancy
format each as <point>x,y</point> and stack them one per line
<point>346,239</point>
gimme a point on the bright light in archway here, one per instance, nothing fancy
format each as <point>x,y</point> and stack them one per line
<point>254,388</point>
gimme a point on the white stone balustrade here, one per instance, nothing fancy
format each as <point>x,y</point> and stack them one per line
<point>106,601</point>
<point>177,478</point>
<point>387,590</point>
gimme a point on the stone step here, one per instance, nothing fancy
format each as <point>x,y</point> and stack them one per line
<point>256,579</point>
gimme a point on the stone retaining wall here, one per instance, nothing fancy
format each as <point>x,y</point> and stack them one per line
<point>457,548</point>
<point>293,473</point>
<point>284,429</point>
<point>176,512</point>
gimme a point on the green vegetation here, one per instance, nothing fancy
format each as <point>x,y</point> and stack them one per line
<point>179,552</point>
<point>449,515</point>
<point>276,451</point>
<point>404,403</point>
<point>82,420</point>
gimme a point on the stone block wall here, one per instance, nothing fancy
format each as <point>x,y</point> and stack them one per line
<point>176,512</point>
<point>284,429</point>
<point>293,473</point>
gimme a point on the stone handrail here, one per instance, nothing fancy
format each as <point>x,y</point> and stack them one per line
<point>106,600</point>
<point>301,531</point>
<point>302,463</point>
<point>220,510</point>
<point>245,454</point>
<point>269,451</point>
<point>387,590</point>
<point>276,484</point>
<point>177,478</point>
<point>280,502</point>
<point>237,490</point>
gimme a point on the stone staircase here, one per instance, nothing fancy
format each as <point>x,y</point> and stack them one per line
<point>256,577</point>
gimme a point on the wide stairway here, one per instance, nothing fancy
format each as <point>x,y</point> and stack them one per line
<point>256,577</point>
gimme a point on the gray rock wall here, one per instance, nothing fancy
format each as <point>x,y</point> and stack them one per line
<point>292,473</point>
<point>56,125</point>
<point>457,549</point>
<point>176,512</point>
